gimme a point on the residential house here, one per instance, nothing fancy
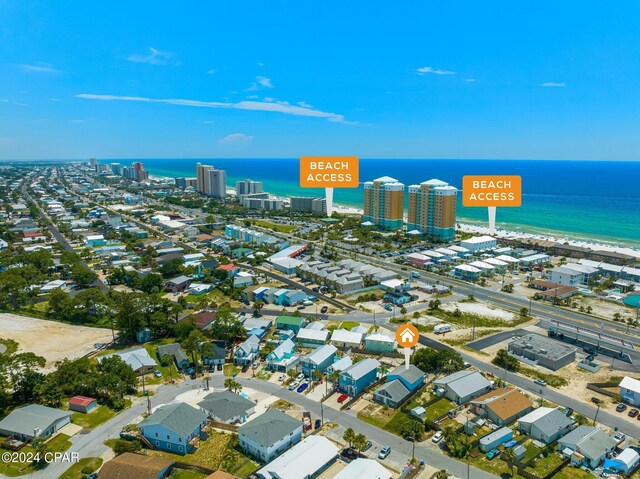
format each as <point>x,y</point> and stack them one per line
<point>412,377</point>
<point>178,284</point>
<point>545,424</point>
<point>227,407</point>
<point>247,351</point>
<point>502,406</point>
<point>310,338</point>
<point>399,298</point>
<point>463,386</point>
<point>173,427</point>
<point>342,338</point>
<point>137,358</point>
<point>586,446</point>
<point>400,384</point>
<point>139,466</point>
<point>380,343</point>
<point>340,365</point>
<point>204,319</point>
<point>176,352</point>
<point>630,391</point>
<point>269,434</point>
<point>308,459</point>
<point>624,462</point>
<point>357,377</point>
<point>33,420</point>
<point>293,297</point>
<point>495,438</point>
<point>199,288</point>
<point>216,356</point>
<point>242,279</point>
<point>364,468</point>
<point>319,359</point>
<point>283,357</point>
<point>290,323</point>
<point>95,240</point>
<point>230,268</point>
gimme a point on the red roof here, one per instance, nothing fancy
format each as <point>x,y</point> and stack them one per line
<point>227,267</point>
<point>83,401</point>
<point>31,234</point>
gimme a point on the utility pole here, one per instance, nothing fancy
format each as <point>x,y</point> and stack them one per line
<point>597,411</point>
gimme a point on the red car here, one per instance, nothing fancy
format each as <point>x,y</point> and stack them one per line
<point>343,398</point>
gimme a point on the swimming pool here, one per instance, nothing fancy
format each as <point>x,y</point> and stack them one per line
<point>632,300</point>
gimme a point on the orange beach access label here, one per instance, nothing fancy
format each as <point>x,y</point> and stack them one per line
<point>491,190</point>
<point>329,172</point>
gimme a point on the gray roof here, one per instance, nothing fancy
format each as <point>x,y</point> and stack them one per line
<point>395,390</point>
<point>180,418</point>
<point>136,358</point>
<point>495,435</point>
<point>173,349</point>
<point>361,368</point>
<point>269,427</point>
<point>226,405</point>
<point>25,419</point>
<point>410,374</point>
<point>592,441</point>
<point>551,423</point>
<point>178,280</point>
<point>543,346</point>
<point>321,354</point>
<point>216,352</point>
<point>465,384</point>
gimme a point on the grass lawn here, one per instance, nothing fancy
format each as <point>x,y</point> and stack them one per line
<point>532,451</point>
<point>349,325</point>
<point>230,370</point>
<point>100,415</point>
<point>274,226</point>
<point>377,415</point>
<point>152,347</point>
<point>184,474</point>
<point>59,443</point>
<point>41,306</point>
<point>212,452</point>
<point>495,466</point>
<point>75,471</point>
<point>12,469</point>
<point>573,473</point>
<point>438,408</point>
<point>10,344</point>
<point>542,466</point>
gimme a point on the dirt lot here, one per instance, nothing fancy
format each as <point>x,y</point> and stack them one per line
<point>49,339</point>
<point>604,308</point>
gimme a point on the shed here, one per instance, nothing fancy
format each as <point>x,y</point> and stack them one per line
<point>82,404</point>
<point>495,439</point>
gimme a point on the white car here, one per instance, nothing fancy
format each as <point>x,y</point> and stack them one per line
<point>300,377</point>
<point>437,437</point>
<point>281,377</point>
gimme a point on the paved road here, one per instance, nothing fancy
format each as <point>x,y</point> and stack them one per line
<point>483,343</point>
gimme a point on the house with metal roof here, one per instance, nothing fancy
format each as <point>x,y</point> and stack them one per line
<point>33,420</point>
<point>309,337</point>
<point>502,406</point>
<point>391,393</point>
<point>269,434</point>
<point>411,377</point>
<point>228,407</point>
<point>364,468</point>
<point>357,377</point>
<point>216,355</point>
<point>308,459</point>
<point>178,284</point>
<point>290,323</point>
<point>137,358</point>
<point>284,357</point>
<point>319,359</point>
<point>340,365</point>
<point>343,338</point>
<point>173,427</point>
<point>176,352</point>
<point>630,391</point>
<point>82,404</point>
<point>623,462</point>
<point>380,343</point>
<point>247,351</point>
<point>545,424</point>
<point>463,386</point>
<point>586,446</point>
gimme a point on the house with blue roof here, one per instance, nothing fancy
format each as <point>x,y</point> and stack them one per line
<point>283,358</point>
<point>294,296</point>
<point>400,384</point>
<point>412,377</point>
<point>247,351</point>
<point>359,376</point>
<point>173,427</point>
<point>319,359</point>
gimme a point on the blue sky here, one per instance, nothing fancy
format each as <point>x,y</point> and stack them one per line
<point>420,79</point>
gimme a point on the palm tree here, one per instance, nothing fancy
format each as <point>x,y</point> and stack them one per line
<point>232,385</point>
<point>510,458</point>
<point>317,375</point>
<point>441,474</point>
<point>349,436</point>
<point>360,442</point>
<point>207,378</point>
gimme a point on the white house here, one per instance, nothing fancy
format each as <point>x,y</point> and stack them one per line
<point>308,459</point>
<point>343,338</point>
<point>269,434</point>
<point>630,391</point>
<point>242,279</point>
<point>479,243</point>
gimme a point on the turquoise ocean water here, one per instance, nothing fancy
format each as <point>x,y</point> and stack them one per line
<point>597,200</point>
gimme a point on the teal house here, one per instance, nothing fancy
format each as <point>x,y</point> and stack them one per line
<point>173,427</point>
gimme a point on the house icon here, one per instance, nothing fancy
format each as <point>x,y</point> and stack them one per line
<point>407,335</point>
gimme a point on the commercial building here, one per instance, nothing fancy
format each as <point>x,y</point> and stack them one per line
<point>308,204</point>
<point>211,181</point>
<point>542,351</point>
<point>384,203</point>
<point>248,187</point>
<point>432,209</point>
<point>479,243</point>
<point>573,274</point>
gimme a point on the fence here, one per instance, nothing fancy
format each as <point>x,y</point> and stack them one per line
<point>223,425</point>
<point>193,467</point>
<point>598,387</point>
<point>528,475</point>
<point>362,393</point>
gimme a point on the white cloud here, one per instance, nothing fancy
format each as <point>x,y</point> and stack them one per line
<point>264,81</point>
<point>552,84</point>
<point>212,71</point>
<point>304,104</point>
<point>283,108</point>
<point>434,71</point>
<point>155,57</point>
<point>236,138</point>
<point>39,67</point>
<point>470,80</point>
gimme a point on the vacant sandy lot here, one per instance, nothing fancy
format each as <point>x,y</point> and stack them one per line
<point>481,309</point>
<point>49,339</point>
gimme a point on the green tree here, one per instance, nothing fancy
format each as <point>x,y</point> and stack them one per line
<point>82,275</point>
<point>232,385</point>
<point>413,429</point>
<point>349,436</point>
<point>360,442</point>
<point>504,360</point>
<point>167,362</point>
<point>510,458</point>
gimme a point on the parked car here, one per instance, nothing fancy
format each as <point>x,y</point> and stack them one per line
<point>437,437</point>
<point>595,400</point>
<point>324,309</point>
<point>189,371</point>
<point>633,413</point>
<point>302,387</point>
<point>157,374</point>
<point>245,368</point>
<point>300,377</point>
<point>343,398</point>
<point>193,375</point>
<point>568,411</point>
<point>294,385</point>
<point>384,452</point>
<point>621,407</point>
<point>367,446</point>
<point>282,377</point>
<point>387,306</point>
<point>619,437</point>
<point>317,424</point>
<point>302,306</point>
<point>219,367</point>
<point>492,454</point>
<point>540,382</point>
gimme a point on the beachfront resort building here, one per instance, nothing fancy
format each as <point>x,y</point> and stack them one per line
<point>384,203</point>
<point>211,181</point>
<point>432,209</point>
<point>308,203</point>
<point>248,187</point>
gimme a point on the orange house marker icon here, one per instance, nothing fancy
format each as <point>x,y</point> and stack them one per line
<point>407,335</point>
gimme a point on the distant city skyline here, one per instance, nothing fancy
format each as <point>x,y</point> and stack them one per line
<point>421,80</point>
